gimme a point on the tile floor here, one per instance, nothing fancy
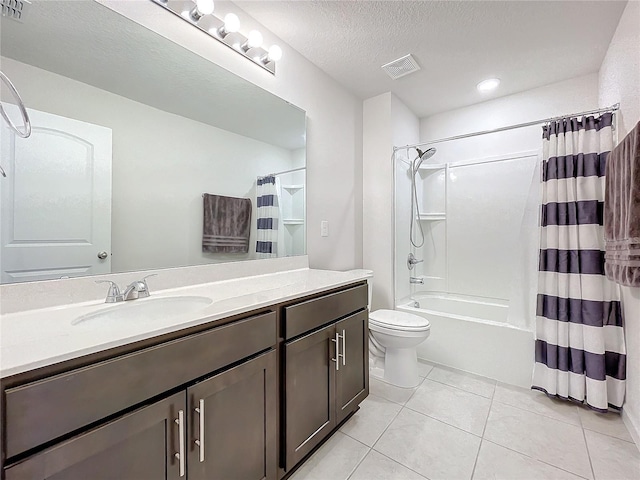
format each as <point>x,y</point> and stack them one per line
<point>459,426</point>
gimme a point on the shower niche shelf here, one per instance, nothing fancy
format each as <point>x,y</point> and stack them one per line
<point>432,217</point>
<point>293,208</point>
<point>432,166</point>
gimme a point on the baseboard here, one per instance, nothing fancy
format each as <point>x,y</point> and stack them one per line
<point>632,426</point>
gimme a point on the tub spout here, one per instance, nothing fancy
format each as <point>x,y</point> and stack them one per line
<point>418,280</point>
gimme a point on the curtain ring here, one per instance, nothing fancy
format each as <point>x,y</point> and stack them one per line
<point>23,111</point>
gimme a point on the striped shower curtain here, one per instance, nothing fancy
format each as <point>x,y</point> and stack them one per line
<point>267,217</point>
<point>580,346</point>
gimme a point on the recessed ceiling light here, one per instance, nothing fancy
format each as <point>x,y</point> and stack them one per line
<point>489,84</point>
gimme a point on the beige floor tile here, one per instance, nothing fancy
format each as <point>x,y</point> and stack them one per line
<point>376,466</point>
<point>390,392</point>
<point>607,423</point>
<point>546,439</point>
<point>537,402</point>
<point>612,458</point>
<point>499,463</point>
<point>451,405</point>
<point>374,416</point>
<point>465,381</point>
<point>335,460</point>
<point>429,447</point>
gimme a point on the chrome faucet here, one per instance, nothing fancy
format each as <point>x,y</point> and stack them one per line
<point>418,280</point>
<point>137,289</point>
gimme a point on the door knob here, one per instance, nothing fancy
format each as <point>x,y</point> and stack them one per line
<point>102,255</point>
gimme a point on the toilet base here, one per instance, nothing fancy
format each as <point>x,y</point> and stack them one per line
<point>401,367</point>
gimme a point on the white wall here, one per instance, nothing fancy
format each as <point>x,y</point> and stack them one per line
<point>620,82</point>
<point>334,127</point>
<point>159,173</point>
<point>387,122</point>
<point>377,225</point>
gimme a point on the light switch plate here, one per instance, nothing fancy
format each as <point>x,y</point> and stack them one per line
<point>324,228</point>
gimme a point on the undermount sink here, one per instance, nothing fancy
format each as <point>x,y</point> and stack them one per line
<point>144,310</point>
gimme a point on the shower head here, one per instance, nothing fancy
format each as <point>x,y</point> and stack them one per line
<point>422,156</point>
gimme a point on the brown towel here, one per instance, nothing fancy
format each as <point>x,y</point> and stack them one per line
<point>622,212</point>
<point>227,224</point>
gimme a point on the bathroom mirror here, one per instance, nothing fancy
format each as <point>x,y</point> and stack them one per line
<point>129,131</point>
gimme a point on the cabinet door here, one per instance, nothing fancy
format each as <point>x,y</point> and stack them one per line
<point>352,379</point>
<point>232,425</point>
<point>309,393</point>
<point>138,446</point>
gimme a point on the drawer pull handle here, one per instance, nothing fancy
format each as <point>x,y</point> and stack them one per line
<point>344,348</point>
<point>181,455</point>
<point>200,442</point>
<point>338,354</point>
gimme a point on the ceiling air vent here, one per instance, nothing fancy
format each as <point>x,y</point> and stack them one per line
<point>14,9</point>
<point>401,67</point>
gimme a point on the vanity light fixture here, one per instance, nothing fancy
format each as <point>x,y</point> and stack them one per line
<point>199,13</point>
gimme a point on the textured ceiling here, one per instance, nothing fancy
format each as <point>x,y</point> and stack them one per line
<point>526,44</point>
<point>88,42</point>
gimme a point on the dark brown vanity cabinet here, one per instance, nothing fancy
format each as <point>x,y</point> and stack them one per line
<point>232,426</point>
<point>219,422</point>
<point>326,370</point>
<point>140,445</point>
<point>243,398</point>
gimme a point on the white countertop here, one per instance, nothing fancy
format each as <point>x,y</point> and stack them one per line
<point>36,338</point>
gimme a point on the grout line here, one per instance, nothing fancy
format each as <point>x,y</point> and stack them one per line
<point>586,445</point>
<point>387,427</point>
<point>484,428</point>
<point>533,458</point>
<point>361,460</point>
<point>608,435</point>
<point>402,464</point>
<point>460,388</point>
<point>442,421</point>
<point>541,414</point>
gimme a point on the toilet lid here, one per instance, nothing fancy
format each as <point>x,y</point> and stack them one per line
<point>398,320</point>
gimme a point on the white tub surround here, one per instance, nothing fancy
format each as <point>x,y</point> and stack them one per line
<point>40,337</point>
<point>471,334</point>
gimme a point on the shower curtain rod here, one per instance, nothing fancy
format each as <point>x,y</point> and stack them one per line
<point>612,108</point>
<point>288,171</point>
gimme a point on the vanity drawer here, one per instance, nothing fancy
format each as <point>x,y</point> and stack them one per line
<point>47,409</point>
<point>306,316</point>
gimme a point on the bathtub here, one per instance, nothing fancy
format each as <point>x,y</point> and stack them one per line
<point>472,334</point>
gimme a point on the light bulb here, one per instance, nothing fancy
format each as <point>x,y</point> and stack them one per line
<point>201,8</point>
<point>205,7</point>
<point>489,84</point>
<point>231,23</point>
<point>275,53</point>
<point>254,39</point>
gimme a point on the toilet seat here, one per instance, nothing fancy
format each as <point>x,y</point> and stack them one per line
<point>401,321</point>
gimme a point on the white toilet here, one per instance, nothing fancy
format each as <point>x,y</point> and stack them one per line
<point>397,334</point>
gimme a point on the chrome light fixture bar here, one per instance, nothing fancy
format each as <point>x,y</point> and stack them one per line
<point>199,13</point>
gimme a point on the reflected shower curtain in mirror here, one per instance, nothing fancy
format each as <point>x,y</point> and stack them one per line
<point>268,217</point>
<point>580,347</point>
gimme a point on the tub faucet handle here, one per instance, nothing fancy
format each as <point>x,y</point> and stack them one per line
<point>412,261</point>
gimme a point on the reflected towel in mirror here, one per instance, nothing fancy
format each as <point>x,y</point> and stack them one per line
<point>226,225</point>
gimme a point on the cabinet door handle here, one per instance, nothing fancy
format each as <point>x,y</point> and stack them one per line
<point>344,348</point>
<point>181,454</point>
<point>200,441</point>
<point>337,342</point>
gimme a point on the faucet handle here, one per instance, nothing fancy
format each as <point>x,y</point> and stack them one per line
<point>141,286</point>
<point>114,291</point>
